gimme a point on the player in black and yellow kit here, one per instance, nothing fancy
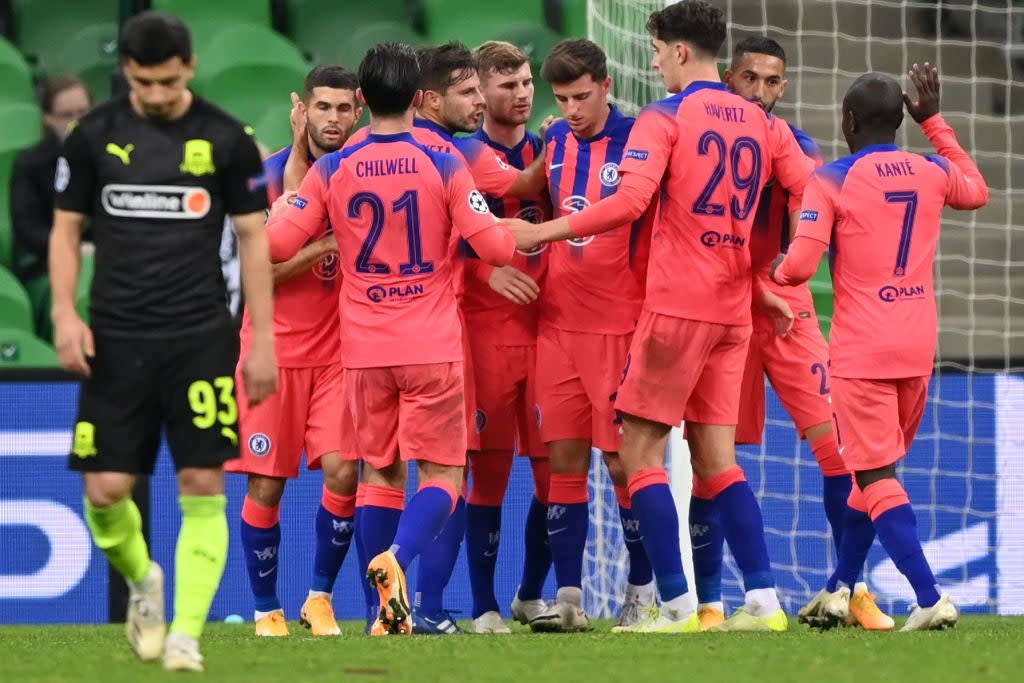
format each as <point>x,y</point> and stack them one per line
<point>156,171</point>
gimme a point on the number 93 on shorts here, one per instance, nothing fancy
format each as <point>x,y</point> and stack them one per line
<point>138,387</point>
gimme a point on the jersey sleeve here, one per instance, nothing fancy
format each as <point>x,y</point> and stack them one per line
<point>650,144</point>
<point>791,166</point>
<point>813,233</point>
<point>490,173</point>
<point>472,218</point>
<point>243,191</point>
<point>967,188</point>
<point>467,207</point>
<point>75,179</point>
<point>305,218</point>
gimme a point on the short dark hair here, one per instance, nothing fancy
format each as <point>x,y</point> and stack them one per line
<point>389,77</point>
<point>498,57</point>
<point>758,45</point>
<point>442,66</point>
<point>877,101</point>
<point>692,21</point>
<point>151,38</point>
<point>329,76</point>
<point>574,58</point>
<point>51,87</point>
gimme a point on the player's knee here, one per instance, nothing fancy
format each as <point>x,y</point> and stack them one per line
<point>103,489</point>
<point>569,455</point>
<point>340,476</point>
<point>265,491</point>
<point>442,473</point>
<point>395,475</point>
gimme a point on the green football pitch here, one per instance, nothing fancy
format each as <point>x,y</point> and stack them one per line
<point>979,649</point>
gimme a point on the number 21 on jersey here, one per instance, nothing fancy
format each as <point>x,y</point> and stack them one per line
<point>370,203</point>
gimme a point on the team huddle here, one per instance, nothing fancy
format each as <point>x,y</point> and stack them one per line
<point>458,301</point>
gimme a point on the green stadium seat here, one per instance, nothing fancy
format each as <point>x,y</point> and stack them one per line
<point>15,307</point>
<point>821,293</point>
<point>247,68</point>
<point>274,129</point>
<point>6,239</point>
<point>21,127</point>
<point>91,54</point>
<point>42,27</point>
<point>535,40</point>
<point>15,74</point>
<point>473,22</point>
<point>224,12</point>
<point>574,18</point>
<point>206,19</point>
<point>320,28</point>
<point>350,52</point>
<point>22,349</point>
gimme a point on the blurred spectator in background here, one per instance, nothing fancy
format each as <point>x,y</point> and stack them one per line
<point>63,99</point>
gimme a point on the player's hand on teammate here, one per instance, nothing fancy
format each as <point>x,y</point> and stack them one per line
<point>259,372</point>
<point>75,345</point>
<point>329,243</point>
<point>926,81</point>
<point>776,308</point>
<point>527,234</point>
<point>514,285</point>
<point>281,204</point>
<point>546,125</point>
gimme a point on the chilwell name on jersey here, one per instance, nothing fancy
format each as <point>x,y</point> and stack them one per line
<point>385,167</point>
<point>155,201</point>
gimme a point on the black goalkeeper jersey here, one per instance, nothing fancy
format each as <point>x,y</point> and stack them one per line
<point>157,193</point>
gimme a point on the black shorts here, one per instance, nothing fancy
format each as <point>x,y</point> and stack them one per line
<point>185,385</point>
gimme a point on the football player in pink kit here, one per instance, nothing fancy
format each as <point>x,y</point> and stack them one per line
<point>710,153</point>
<point>796,363</point>
<point>501,309</point>
<point>452,103</point>
<point>394,204</point>
<point>305,413</point>
<point>589,307</point>
<point>880,210</point>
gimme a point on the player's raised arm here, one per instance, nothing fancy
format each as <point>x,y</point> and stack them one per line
<point>472,218</point>
<point>967,188</point>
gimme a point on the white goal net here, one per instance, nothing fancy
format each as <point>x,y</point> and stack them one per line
<point>962,473</point>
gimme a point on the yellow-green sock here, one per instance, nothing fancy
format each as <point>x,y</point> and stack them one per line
<point>117,531</point>
<point>199,561</point>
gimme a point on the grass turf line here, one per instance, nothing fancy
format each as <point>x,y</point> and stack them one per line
<point>982,648</point>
